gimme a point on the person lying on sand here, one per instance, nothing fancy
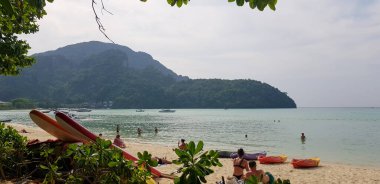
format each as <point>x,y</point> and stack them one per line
<point>23,131</point>
<point>240,164</point>
<point>161,161</point>
<point>119,142</point>
<point>263,177</point>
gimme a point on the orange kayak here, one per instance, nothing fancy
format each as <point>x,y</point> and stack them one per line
<point>272,159</point>
<point>305,163</point>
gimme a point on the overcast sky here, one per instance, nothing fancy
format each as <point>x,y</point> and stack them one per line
<point>323,53</point>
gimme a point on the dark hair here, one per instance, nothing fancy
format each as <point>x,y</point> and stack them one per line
<point>117,136</point>
<point>240,152</point>
<point>252,163</point>
<point>182,140</point>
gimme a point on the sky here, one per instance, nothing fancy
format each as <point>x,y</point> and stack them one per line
<point>323,53</point>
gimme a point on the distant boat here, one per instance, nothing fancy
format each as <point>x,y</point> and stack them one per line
<point>5,120</point>
<point>139,110</point>
<point>166,110</point>
<point>84,110</point>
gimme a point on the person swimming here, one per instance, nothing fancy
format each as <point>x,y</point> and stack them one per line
<point>303,138</point>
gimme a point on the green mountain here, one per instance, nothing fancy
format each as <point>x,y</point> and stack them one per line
<point>97,74</point>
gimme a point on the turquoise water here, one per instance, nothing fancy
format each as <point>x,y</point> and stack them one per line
<point>339,135</point>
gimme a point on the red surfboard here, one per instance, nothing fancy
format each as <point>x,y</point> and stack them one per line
<point>51,126</point>
<point>86,136</point>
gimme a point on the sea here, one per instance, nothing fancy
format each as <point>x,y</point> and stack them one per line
<point>336,135</point>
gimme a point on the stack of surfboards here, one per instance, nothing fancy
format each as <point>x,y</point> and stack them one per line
<point>68,130</point>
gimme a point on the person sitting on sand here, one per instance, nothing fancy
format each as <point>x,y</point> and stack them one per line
<point>240,164</point>
<point>161,161</point>
<point>119,142</point>
<point>182,145</point>
<point>259,174</point>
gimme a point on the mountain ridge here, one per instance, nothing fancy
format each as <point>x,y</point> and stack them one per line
<point>90,75</point>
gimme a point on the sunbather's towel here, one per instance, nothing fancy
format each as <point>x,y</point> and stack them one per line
<point>234,180</point>
<point>271,177</point>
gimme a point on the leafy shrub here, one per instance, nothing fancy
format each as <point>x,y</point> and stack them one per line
<point>93,163</point>
<point>196,165</point>
<point>13,151</point>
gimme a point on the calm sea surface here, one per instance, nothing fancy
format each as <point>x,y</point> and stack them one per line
<point>339,135</point>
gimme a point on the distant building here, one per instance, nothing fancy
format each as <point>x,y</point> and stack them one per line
<point>3,103</point>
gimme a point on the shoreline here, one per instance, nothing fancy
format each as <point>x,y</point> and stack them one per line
<point>327,172</point>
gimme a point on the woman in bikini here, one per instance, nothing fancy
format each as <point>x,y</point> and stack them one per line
<point>240,164</point>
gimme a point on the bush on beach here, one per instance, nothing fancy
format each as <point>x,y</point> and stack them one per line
<point>98,162</point>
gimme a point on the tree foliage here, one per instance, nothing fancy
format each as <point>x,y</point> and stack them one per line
<point>17,17</point>
<point>196,163</point>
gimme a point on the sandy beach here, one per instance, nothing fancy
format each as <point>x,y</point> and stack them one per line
<point>326,173</point>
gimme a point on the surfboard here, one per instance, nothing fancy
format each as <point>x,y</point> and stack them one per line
<point>50,126</point>
<point>86,136</point>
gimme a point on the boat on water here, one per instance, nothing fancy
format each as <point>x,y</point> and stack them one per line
<point>139,110</point>
<point>83,110</point>
<point>5,120</point>
<point>166,110</point>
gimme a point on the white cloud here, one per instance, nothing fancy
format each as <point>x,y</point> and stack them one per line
<point>322,52</point>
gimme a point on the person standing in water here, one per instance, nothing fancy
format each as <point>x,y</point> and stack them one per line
<point>155,130</point>
<point>117,129</point>
<point>303,138</point>
<point>139,131</point>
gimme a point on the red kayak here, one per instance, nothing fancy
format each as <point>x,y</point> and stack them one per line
<point>305,163</point>
<point>272,159</point>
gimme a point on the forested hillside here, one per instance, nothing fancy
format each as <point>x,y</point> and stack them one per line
<point>94,74</point>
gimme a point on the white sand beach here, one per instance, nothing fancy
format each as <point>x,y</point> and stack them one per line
<point>325,173</point>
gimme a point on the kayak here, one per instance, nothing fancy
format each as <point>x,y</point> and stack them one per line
<point>272,159</point>
<point>306,163</point>
<point>225,154</point>
<point>250,156</point>
<point>247,156</point>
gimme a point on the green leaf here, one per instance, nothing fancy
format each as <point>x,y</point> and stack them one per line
<point>6,4</point>
<point>44,167</point>
<point>191,148</point>
<point>252,4</point>
<point>240,2</point>
<point>112,164</point>
<point>272,4</point>
<point>199,147</point>
<point>179,3</point>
